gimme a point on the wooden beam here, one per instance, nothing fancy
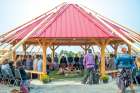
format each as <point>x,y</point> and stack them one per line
<point>14,56</point>
<point>85,48</point>
<point>56,47</point>
<point>129,49</point>
<point>96,42</point>
<point>25,47</point>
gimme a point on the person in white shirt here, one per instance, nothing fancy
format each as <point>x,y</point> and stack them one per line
<point>39,64</point>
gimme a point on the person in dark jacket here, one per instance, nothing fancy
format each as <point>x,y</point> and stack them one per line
<point>63,62</point>
<point>70,61</point>
<point>56,65</point>
<point>76,60</point>
<point>25,79</point>
<point>49,59</point>
<point>11,65</point>
<point>81,62</point>
<point>49,62</point>
<point>24,60</point>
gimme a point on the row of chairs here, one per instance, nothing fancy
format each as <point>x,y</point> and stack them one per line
<point>8,78</point>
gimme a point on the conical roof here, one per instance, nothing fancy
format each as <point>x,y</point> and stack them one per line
<point>68,21</point>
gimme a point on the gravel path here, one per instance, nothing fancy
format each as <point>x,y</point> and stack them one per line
<point>65,86</point>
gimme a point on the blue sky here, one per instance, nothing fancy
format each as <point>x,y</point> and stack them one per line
<point>13,13</point>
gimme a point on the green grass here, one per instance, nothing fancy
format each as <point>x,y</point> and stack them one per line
<point>55,76</point>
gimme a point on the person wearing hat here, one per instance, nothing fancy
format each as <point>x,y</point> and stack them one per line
<point>125,64</point>
<point>89,64</point>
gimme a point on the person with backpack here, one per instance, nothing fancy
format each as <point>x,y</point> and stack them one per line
<point>125,64</point>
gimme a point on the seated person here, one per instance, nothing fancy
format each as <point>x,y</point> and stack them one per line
<point>25,79</point>
<point>5,66</point>
<point>11,65</point>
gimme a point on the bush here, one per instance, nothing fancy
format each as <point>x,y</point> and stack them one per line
<point>45,78</point>
<point>105,78</point>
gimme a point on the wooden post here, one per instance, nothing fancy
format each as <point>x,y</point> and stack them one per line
<point>44,58</point>
<point>102,64</point>
<point>129,49</point>
<point>102,60</point>
<point>14,55</point>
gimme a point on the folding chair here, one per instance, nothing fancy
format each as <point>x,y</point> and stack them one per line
<point>17,77</point>
<point>4,76</point>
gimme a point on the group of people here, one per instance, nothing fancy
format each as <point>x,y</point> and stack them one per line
<point>8,69</point>
<point>124,62</point>
<point>128,66</point>
<point>61,62</point>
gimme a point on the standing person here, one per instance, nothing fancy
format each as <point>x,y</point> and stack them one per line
<point>89,63</point>
<point>125,64</point>
<point>35,61</point>
<point>39,64</point>
<point>56,65</point>
<point>49,59</point>
<point>137,75</point>
<point>76,60</point>
<point>106,62</point>
<point>70,61</point>
<point>25,79</point>
<point>111,63</point>
<point>24,60</point>
<point>63,64</point>
<point>29,63</point>
<point>81,62</point>
<point>49,62</point>
<point>5,67</point>
<point>96,62</point>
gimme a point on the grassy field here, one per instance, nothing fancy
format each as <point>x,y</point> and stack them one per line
<point>73,76</point>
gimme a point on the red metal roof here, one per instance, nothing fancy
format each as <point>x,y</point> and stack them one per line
<point>69,21</point>
<point>74,22</point>
<point>117,28</point>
